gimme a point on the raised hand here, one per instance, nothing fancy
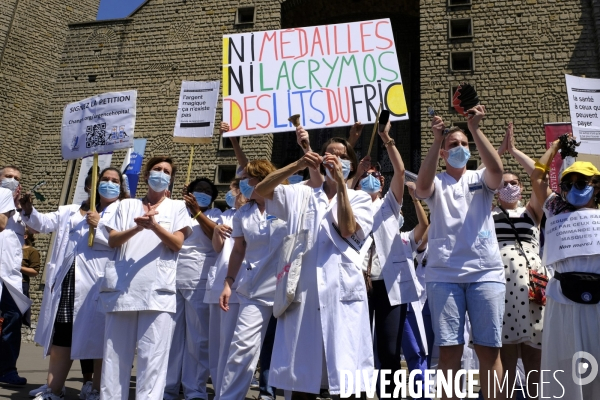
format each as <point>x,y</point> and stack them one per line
<point>475,115</point>
<point>224,127</point>
<point>334,166</point>
<point>311,160</point>
<point>411,189</point>
<point>191,203</point>
<point>363,166</point>
<point>302,137</point>
<point>438,127</point>
<point>92,218</point>
<point>26,203</point>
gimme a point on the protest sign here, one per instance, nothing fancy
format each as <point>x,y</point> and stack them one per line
<point>584,105</point>
<point>132,165</point>
<point>98,124</point>
<point>571,235</point>
<point>332,75</point>
<point>86,164</point>
<point>196,112</point>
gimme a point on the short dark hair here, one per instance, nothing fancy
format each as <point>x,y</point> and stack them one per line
<point>349,151</point>
<point>11,167</point>
<point>157,160</point>
<point>213,188</point>
<point>451,130</point>
<point>123,191</point>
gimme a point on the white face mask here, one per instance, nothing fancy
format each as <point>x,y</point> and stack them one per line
<point>10,183</point>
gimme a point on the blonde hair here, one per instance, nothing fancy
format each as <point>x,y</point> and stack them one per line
<point>259,169</point>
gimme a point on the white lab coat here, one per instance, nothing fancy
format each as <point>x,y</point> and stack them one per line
<point>90,263</point>
<point>331,319</point>
<point>395,257</point>
<point>11,255</point>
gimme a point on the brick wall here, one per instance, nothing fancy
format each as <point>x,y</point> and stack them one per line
<point>522,51</point>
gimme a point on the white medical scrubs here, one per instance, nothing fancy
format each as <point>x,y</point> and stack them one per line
<point>263,234</point>
<point>222,324</point>
<point>138,294</point>
<point>328,329</point>
<point>188,358</point>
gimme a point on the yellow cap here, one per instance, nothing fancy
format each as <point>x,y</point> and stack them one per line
<point>581,167</point>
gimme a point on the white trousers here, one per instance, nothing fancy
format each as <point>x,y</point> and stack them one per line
<point>227,321</point>
<point>244,350</point>
<point>152,330</point>
<point>188,358</point>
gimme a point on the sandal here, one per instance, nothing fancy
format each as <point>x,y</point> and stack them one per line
<point>12,378</point>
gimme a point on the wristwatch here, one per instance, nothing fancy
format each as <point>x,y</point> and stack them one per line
<point>229,277</point>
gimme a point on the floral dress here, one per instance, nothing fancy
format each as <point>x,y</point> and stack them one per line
<point>523,320</point>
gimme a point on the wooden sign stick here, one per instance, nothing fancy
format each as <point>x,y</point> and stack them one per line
<point>93,197</point>
<point>374,130</point>
<point>189,170</point>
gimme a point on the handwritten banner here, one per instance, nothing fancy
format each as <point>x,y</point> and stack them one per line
<point>571,235</point>
<point>332,75</point>
<point>584,105</point>
<point>98,124</point>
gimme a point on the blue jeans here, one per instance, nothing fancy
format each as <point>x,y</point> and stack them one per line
<point>265,360</point>
<point>412,347</point>
<point>484,301</point>
<point>10,341</point>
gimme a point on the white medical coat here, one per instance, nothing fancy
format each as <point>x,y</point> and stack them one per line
<point>143,275</point>
<point>90,262</point>
<point>197,255</point>
<point>332,315</point>
<point>11,255</point>
<point>395,256</point>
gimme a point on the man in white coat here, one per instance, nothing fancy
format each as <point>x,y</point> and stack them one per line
<point>13,303</point>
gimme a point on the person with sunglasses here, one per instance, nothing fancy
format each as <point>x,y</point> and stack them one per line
<point>388,265</point>
<point>517,231</point>
<point>571,327</point>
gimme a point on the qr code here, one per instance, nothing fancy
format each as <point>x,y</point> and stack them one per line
<point>95,135</point>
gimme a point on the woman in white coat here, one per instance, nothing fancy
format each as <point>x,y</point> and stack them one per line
<point>222,324</point>
<point>327,330</point>
<point>258,237</point>
<point>139,291</point>
<point>188,358</point>
<point>388,266</point>
<point>70,325</point>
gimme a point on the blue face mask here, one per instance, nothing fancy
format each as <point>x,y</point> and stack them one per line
<point>246,189</point>
<point>295,179</point>
<point>580,198</point>
<point>458,156</point>
<point>230,199</point>
<point>346,164</point>
<point>370,184</point>
<point>109,190</point>
<point>203,199</point>
<point>159,181</point>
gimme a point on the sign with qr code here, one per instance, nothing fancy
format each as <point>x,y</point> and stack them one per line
<point>99,124</point>
<point>196,112</point>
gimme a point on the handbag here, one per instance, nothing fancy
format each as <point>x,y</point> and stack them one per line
<point>580,287</point>
<point>537,282</point>
<point>290,263</point>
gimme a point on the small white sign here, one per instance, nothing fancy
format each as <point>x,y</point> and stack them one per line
<point>571,235</point>
<point>584,105</point>
<point>196,112</point>
<point>86,164</point>
<point>98,124</point>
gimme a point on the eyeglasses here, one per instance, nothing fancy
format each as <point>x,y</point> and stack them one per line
<point>375,174</point>
<point>579,185</point>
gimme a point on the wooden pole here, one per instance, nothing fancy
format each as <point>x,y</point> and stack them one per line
<point>93,197</point>
<point>189,171</point>
<point>374,130</point>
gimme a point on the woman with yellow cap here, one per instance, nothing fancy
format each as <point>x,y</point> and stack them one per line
<point>570,345</point>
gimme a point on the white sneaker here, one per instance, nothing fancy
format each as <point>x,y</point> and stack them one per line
<point>42,389</point>
<point>86,389</point>
<point>93,395</point>
<point>48,395</point>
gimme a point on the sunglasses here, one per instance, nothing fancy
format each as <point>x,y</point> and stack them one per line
<point>579,185</point>
<point>375,174</point>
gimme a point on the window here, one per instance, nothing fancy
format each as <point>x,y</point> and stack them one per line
<point>225,174</point>
<point>225,143</point>
<point>245,15</point>
<point>462,61</point>
<point>460,28</point>
<point>458,3</point>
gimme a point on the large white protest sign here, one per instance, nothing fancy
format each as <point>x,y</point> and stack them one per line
<point>86,164</point>
<point>98,124</point>
<point>196,112</point>
<point>584,105</point>
<point>332,75</point>
<point>572,234</point>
